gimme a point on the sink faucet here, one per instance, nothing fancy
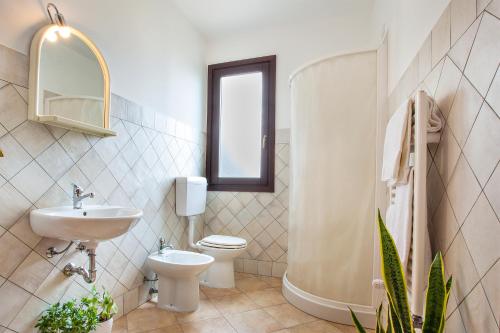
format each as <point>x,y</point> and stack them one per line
<point>78,196</point>
<point>163,246</point>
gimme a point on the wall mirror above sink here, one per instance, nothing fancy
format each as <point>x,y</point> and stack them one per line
<point>69,79</point>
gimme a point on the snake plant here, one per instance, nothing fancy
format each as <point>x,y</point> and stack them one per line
<point>399,319</point>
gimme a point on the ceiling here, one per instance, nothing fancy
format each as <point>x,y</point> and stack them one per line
<point>215,17</point>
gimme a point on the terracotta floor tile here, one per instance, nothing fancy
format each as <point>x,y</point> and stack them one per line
<point>234,303</point>
<point>215,292</point>
<point>255,321</point>
<point>288,315</point>
<point>214,325</point>
<point>239,276</point>
<point>319,326</point>
<point>148,319</point>
<point>205,310</point>
<point>170,329</point>
<point>120,325</point>
<point>272,281</point>
<point>349,329</point>
<point>266,297</point>
<point>251,284</point>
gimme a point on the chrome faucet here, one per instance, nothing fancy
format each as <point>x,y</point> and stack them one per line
<point>163,246</point>
<point>78,196</point>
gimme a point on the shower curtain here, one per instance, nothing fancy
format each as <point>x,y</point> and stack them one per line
<point>332,190</point>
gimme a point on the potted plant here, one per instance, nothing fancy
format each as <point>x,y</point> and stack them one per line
<point>108,309</point>
<point>93,313</point>
<point>399,318</point>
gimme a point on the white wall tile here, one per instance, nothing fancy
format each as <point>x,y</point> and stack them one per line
<point>447,86</point>
<point>483,59</point>
<point>460,265</point>
<point>459,52</point>
<point>481,231</point>
<point>13,109</point>
<point>12,300</point>
<point>492,190</point>
<point>476,312</point>
<point>31,273</point>
<point>13,205</point>
<point>464,111</point>
<point>441,37</point>
<point>483,149</point>
<point>15,157</point>
<point>490,285</point>
<point>493,96</point>
<point>463,13</point>
<point>34,137</point>
<point>462,200</point>
<point>32,181</point>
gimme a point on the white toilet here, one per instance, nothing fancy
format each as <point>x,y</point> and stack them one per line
<point>191,194</point>
<point>178,283</point>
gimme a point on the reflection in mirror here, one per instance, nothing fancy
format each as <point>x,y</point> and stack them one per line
<point>240,126</point>
<point>71,81</point>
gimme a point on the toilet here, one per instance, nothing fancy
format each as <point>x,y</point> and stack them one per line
<point>178,282</point>
<point>191,194</point>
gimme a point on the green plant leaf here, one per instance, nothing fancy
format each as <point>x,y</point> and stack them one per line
<point>443,318</point>
<point>356,322</point>
<point>379,328</point>
<point>396,325</point>
<point>389,328</point>
<point>436,296</point>
<point>394,279</point>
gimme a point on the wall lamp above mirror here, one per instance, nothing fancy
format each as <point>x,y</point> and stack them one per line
<point>68,79</point>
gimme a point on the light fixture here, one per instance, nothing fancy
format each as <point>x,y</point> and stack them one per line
<point>62,28</point>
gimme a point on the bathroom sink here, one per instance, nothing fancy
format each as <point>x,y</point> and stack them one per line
<point>90,224</point>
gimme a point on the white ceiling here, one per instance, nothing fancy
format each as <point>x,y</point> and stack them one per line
<point>215,17</point>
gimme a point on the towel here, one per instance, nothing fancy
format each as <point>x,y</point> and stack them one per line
<point>399,222</point>
<point>399,217</point>
<point>397,143</point>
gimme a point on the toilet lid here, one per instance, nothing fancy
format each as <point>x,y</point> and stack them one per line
<point>223,241</point>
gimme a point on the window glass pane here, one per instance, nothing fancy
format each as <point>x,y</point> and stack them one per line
<point>240,126</point>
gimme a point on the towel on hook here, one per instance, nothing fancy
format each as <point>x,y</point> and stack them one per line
<point>399,217</point>
<point>397,143</point>
<point>399,221</point>
<point>397,146</point>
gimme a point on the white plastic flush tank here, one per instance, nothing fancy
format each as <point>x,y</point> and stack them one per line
<point>191,195</point>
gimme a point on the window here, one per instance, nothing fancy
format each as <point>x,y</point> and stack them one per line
<point>240,125</point>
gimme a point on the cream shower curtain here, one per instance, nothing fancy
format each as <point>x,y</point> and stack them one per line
<point>332,191</point>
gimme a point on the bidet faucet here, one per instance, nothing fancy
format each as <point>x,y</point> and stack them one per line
<point>78,196</point>
<point>163,246</point>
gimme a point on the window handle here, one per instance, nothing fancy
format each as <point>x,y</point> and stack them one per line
<point>264,141</point>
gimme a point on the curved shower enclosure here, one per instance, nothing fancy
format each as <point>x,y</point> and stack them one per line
<point>333,185</point>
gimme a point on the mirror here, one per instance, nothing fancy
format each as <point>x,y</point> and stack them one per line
<point>69,81</point>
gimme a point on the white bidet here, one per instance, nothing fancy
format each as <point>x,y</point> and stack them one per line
<point>178,283</point>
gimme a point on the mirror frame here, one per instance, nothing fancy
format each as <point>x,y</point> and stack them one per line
<point>34,75</point>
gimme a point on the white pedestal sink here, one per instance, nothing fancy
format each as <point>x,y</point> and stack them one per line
<point>88,226</point>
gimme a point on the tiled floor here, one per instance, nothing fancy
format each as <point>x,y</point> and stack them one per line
<point>255,305</point>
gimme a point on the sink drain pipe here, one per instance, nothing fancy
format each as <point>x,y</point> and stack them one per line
<point>89,275</point>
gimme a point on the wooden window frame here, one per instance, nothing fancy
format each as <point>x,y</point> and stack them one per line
<point>266,65</point>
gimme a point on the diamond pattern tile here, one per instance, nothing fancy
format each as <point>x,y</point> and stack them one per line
<point>464,175</point>
<point>137,168</point>
<point>464,110</point>
<point>483,60</point>
<point>482,149</point>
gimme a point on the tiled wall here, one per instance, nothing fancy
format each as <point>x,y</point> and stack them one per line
<point>458,65</point>
<point>136,168</point>
<point>260,218</point>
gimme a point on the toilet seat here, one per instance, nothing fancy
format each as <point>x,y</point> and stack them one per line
<point>223,242</point>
